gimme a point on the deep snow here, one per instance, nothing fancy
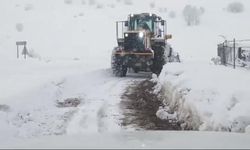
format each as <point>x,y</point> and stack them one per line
<point>73,44</point>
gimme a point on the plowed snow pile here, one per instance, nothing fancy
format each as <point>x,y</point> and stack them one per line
<point>208,97</point>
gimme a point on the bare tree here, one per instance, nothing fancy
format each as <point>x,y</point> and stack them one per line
<point>192,15</point>
<point>235,7</point>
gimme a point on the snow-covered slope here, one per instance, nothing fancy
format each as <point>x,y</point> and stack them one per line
<point>72,43</point>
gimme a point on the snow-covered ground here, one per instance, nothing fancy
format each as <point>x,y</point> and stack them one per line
<point>138,140</point>
<point>72,44</point>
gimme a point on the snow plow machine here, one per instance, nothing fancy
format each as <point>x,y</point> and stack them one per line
<point>142,45</point>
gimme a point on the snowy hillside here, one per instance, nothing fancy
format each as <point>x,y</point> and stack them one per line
<point>71,42</point>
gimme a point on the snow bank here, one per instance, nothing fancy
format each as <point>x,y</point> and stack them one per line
<point>207,97</point>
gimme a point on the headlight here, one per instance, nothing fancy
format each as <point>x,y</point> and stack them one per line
<point>141,34</point>
<point>126,35</point>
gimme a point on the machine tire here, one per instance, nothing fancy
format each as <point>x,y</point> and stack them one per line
<point>159,59</point>
<point>117,66</point>
<point>136,70</point>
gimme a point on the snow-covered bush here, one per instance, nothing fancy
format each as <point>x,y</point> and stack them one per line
<point>4,108</point>
<point>192,15</point>
<point>216,60</point>
<point>152,5</point>
<point>235,7</point>
<point>128,2</point>
<point>111,5</point>
<point>172,14</point>
<point>99,6</point>
<point>28,7</point>
<point>83,2</point>
<point>92,2</point>
<point>202,10</point>
<point>163,10</point>
<point>81,14</point>
<point>19,27</point>
<point>68,1</point>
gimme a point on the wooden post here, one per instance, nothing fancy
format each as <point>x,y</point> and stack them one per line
<point>117,31</point>
<point>234,54</point>
<point>17,52</point>
<point>25,51</point>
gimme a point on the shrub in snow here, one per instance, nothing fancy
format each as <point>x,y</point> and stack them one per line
<point>28,7</point>
<point>192,15</point>
<point>111,5</point>
<point>216,60</point>
<point>19,27</point>
<point>235,7</point>
<point>4,108</point>
<point>81,14</point>
<point>172,14</point>
<point>68,1</point>
<point>92,2</point>
<point>76,59</point>
<point>99,6</point>
<point>152,5</point>
<point>83,2</point>
<point>128,2</point>
<point>163,10</point>
<point>202,10</point>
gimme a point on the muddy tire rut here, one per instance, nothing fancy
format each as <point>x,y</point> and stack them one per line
<point>140,104</point>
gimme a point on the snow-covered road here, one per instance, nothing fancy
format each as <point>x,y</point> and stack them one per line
<point>38,114</point>
<point>100,109</point>
<point>71,42</point>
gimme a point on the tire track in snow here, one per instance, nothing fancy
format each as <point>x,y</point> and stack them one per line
<point>101,111</point>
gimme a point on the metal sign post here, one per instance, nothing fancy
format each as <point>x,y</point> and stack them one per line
<point>25,51</point>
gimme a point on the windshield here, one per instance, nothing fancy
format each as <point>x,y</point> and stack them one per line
<point>142,23</point>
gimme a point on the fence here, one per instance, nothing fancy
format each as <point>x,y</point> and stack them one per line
<point>235,53</point>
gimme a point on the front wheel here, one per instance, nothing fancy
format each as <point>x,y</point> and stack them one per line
<point>118,68</point>
<point>124,71</point>
<point>159,60</point>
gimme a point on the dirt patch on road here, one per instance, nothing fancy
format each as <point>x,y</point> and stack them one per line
<point>140,105</point>
<point>69,102</point>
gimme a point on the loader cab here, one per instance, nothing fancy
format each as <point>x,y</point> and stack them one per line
<point>153,25</point>
<point>141,23</point>
<point>146,21</point>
